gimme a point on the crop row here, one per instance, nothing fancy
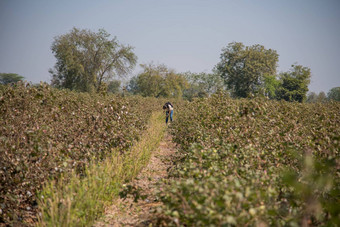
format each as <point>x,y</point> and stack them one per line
<point>255,162</point>
<point>45,133</point>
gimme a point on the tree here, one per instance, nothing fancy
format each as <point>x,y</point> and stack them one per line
<point>174,84</point>
<point>243,68</point>
<point>86,59</point>
<point>322,97</point>
<point>158,81</point>
<point>334,94</point>
<point>150,81</point>
<point>132,86</point>
<point>270,86</point>
<point>194,91</point>
<point>114,86</point>
<point>202,84</point>
<point>8,78</point>
<point>294,84</point>
<point>312,97</point>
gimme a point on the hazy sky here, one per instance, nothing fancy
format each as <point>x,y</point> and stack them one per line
<point>186,35</point>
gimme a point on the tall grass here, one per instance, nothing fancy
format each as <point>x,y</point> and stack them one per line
<point>83,198</point>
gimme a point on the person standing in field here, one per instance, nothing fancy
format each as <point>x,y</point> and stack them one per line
<point>169,111</point>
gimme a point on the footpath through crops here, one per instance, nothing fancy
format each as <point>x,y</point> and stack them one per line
<point>58,138</point>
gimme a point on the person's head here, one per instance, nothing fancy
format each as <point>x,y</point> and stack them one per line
<point>164,107</point>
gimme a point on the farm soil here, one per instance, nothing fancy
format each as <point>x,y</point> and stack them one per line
<point>126,212</point>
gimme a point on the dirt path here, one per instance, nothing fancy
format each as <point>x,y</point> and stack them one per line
<point>126,212</point>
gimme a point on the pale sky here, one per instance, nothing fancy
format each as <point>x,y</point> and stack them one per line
<point>186,35</point>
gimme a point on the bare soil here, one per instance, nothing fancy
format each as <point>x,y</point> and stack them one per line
<point>126,212</point>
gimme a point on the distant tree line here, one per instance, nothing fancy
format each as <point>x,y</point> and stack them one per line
<point>333,94</point>
<point>90,61</point>
<point>9,78</point>
<point>160,81</point>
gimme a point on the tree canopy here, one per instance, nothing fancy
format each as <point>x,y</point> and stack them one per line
<point>243,67</point>
<point>158,81</point>
<point>270,86</point>
<point>86,59</point>
<point>334,94</point>
<point>8,78</point>
<point>312,97</point>
<point>202,84</point>
<point>114,86</point>
<point>294,84</point>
